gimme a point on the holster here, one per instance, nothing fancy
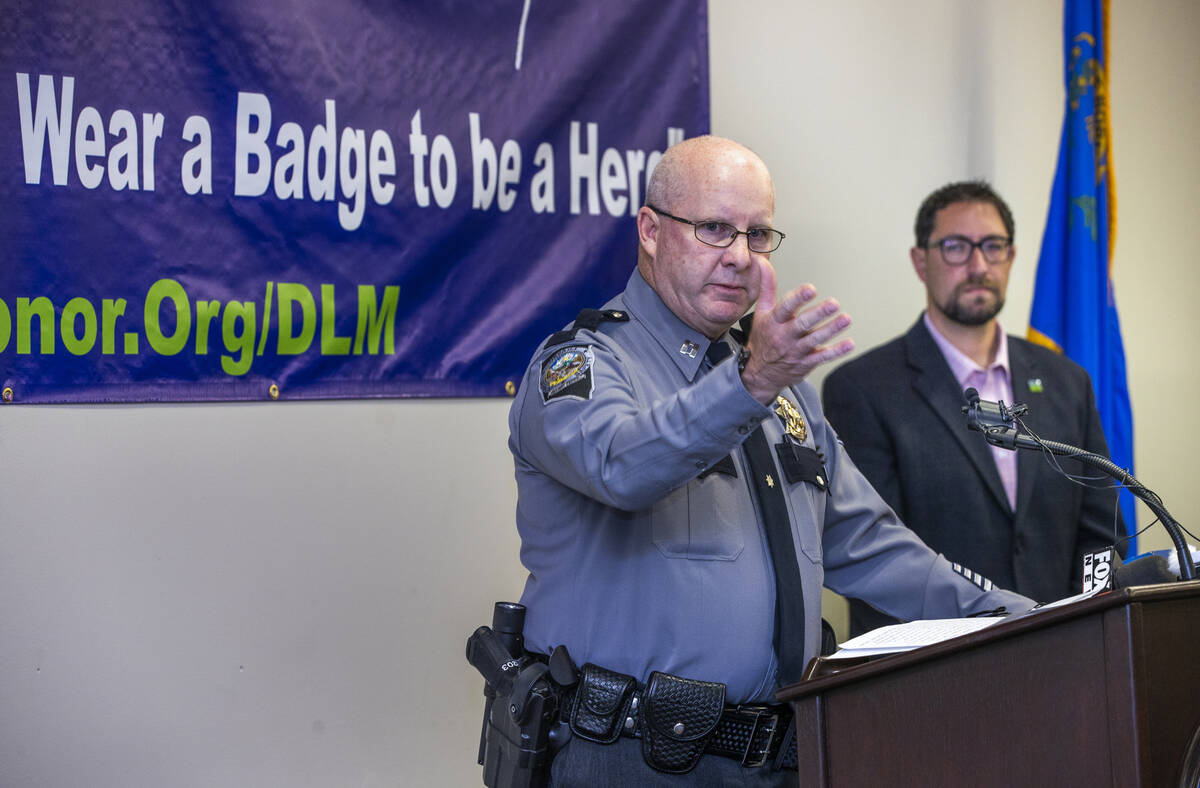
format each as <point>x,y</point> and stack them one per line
<point>678,717</point>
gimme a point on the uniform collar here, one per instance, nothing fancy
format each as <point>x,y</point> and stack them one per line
<point>684,344</point>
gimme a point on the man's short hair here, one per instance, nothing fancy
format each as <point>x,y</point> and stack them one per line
<point>963,191</point>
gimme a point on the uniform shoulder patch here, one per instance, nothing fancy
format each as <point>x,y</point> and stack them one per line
<point>567,372</point>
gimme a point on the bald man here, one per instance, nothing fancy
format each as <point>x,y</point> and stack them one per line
<point>681,498</point>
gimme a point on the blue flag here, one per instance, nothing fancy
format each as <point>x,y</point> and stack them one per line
<point>1074,306</point>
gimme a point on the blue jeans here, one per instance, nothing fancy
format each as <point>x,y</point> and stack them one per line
<point>585,764</point>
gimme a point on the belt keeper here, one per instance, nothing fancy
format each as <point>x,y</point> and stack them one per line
<point>785,744</point>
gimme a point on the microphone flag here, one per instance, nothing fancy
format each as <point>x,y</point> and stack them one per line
<point>1099,568</point>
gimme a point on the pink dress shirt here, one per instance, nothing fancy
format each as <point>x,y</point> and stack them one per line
<point>993,383</point>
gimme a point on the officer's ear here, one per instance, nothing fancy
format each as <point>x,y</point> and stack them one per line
<point>648,226</point>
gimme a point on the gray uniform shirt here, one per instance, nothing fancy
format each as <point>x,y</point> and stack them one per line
<point>644,544</point>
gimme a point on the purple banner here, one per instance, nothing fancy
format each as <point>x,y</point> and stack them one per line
<point>227,200</point>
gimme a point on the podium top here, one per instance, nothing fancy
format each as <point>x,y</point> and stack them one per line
<point>825,674</point>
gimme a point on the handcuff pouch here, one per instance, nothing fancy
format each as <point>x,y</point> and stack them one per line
<point>678,717</point>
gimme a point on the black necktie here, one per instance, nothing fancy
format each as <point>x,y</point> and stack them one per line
<point>767,485</point>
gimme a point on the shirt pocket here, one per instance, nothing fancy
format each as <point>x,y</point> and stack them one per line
<point>807,504</point>
<point>704,520</point>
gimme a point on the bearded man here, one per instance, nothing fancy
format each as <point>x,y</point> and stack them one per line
<point>1014,518</point>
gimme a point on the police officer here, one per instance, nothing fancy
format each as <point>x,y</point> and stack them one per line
<point>659,450</point>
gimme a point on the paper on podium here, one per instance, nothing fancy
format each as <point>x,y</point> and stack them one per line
<point>1068,600</point>
<point>914,634</point>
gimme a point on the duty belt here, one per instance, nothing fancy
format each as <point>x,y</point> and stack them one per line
<point>679,720</point>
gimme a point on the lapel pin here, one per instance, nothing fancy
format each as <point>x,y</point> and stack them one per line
<point>1035,385</point>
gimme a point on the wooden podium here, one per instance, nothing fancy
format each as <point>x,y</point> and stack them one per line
<point>1102,692</point>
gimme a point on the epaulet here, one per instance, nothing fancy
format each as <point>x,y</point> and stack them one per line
<point>589,319</point>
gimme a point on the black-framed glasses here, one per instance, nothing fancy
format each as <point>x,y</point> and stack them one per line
<point>957,249</point>
<point>763,240</point>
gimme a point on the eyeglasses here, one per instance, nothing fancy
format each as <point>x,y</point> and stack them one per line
<point>957,250</point>
<point>763,240</point>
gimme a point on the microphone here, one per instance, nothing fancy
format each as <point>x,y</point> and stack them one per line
<point>1145,571</point>
<point>995,420</point>
<point>1103,570</point>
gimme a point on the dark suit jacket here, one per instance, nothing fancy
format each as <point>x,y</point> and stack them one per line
<point>898,407</point>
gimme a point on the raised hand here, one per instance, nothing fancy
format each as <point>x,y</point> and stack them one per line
<point>786,344</point>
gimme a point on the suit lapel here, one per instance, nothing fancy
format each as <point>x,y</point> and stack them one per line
<point>1024,371</point>
<point>935,384</point>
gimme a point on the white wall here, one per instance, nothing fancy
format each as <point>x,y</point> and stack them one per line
<point>279,594</point>
<point>253,594</point>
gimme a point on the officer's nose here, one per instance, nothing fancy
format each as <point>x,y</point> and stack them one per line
<point>737,254</point>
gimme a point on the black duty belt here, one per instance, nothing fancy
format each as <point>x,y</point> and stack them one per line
<point>679,720</point>
<point>754,735</point>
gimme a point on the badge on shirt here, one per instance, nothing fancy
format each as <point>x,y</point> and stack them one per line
<point>568,373</point>
<point>793,422</point>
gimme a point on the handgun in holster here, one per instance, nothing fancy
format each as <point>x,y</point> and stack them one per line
<point>522,727</point>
